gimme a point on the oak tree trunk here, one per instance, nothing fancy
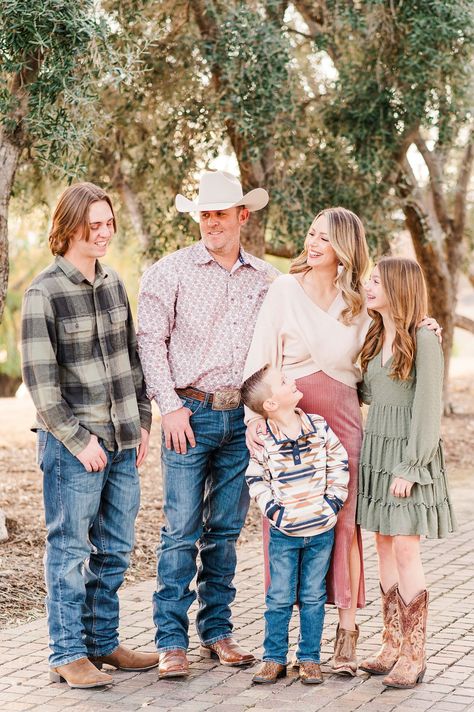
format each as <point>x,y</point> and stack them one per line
<point>9,156</point>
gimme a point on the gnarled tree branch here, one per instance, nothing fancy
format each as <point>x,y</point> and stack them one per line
<point>463,322</point>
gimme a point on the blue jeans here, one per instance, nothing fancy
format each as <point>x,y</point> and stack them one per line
<point>298,568</point>
<point>90,519</point>
<point>205,501</point>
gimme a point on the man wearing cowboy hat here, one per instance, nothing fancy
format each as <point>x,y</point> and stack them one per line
<point>197,310</point>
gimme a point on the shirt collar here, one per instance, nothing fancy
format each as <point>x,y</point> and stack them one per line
<point>202,256</point>
<point>307,428</point>
<point>75,275</point>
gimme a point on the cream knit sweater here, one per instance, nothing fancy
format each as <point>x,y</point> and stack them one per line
<point>294,334</point>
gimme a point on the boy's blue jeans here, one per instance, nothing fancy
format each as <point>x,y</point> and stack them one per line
<point>298,568</point>
<point>205,501</point>
<point>90,519</point>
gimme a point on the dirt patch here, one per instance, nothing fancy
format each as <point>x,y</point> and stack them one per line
<point>21,567</point>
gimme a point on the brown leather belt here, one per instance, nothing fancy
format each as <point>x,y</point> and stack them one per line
<point>223,399</point>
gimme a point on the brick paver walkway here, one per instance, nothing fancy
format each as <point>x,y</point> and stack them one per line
<point>448,686</point>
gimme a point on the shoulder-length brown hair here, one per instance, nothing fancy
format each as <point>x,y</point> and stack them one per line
<point>72,213</point>
<point>405,288</point>
<point>346,235</point>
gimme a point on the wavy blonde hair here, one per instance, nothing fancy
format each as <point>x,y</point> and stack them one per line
<point>405,288</point>
<point>347,238</point>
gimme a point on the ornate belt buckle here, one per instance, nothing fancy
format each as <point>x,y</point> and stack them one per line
<point>226,399</point>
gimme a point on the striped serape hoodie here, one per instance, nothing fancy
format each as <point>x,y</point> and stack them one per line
<point>304,480</point>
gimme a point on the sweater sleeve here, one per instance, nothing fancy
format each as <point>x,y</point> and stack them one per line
<point>337,470</point>
<point>258,481</point>
<point>267,343</point>
<point>426,410</point>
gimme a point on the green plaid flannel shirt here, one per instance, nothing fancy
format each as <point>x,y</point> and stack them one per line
<point>80,359</point>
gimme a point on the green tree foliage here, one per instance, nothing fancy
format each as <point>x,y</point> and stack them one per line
<point>51,60</point>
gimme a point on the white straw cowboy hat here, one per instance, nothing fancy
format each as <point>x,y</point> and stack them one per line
<point>219,190</point>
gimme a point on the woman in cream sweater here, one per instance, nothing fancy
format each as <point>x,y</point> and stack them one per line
<point>312,324</point>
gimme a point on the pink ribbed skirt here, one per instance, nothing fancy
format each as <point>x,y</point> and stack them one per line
<point>339,405</point>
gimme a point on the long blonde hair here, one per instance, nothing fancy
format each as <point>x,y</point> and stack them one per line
<point>72,212</point>
<point>405,288</point>
<point>347,238</point>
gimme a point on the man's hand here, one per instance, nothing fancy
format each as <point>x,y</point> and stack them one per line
<point>177,428</point>
<point>142,451</point>
<point>400,487</point>
<point>431,324</point>
<point>254,429</point>
<point>93,456</point>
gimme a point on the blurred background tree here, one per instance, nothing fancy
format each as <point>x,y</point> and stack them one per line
<point>367,104</point>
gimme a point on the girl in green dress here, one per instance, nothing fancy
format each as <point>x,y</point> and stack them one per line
<point>403,492</point>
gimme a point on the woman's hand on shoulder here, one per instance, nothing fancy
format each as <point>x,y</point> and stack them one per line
<point>431,324</point>
<point>255,428</point>
<point>400,487</point>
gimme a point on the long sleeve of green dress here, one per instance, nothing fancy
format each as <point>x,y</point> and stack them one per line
<point>426,410</point>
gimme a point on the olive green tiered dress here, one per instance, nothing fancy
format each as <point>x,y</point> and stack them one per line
<point>402,439</point>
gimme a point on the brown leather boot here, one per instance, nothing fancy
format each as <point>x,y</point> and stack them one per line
<point>173,663</point>
<point>310,673</point>
<point>228,652</point>
<point>123,658</point>
<point>382,662</point>
<point>344,660</point>
<point>269,673</point>
<point>411,664</point>
<point>80,673</point>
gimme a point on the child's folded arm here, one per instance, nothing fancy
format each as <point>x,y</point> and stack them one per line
<point>337,469</point>
<point>258,481</point>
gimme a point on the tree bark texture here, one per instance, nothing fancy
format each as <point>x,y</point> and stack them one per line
<point>438,237</point>
<point>9,157</point>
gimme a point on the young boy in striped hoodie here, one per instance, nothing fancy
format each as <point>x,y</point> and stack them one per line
<point>299,480</point>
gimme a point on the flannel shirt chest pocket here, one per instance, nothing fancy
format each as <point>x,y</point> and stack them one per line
<point>76,339</point>
<point>118,316</point>
<point>77,328</point>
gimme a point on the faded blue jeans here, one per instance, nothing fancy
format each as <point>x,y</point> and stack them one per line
<point>205,501</point>
<point>298,568</point>
<point>90,518</point>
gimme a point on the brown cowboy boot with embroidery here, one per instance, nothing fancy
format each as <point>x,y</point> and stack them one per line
<point>269,673</point>
<point>411,664</point>
<point>344,660</point>
<point>382,662</point>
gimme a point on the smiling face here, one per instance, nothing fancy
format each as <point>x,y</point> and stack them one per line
<point>376,296</point>
<point>320,253</point>
<point>220,229</point>
<point>101,230</point>
<point>285,394</point>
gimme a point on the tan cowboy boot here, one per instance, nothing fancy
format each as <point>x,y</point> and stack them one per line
<point>228,652</point>
<point>411,664</point>
<point>269,673</point>
<point>173,663</point>
<point>80,673</point>
<point>123,658</point>
<point>382,662</point>
<point>344,660</point>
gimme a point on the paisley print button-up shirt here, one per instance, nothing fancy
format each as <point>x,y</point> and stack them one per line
<point>196,321</point>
